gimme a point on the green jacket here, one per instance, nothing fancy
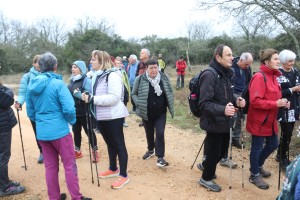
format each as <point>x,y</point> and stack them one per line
<point>140,94</point>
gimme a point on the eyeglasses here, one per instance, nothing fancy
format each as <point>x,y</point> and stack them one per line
<point>153,68</point>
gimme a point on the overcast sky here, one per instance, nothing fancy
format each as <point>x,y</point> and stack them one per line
<point>131,18</point>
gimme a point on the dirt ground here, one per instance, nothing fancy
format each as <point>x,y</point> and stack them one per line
<point>147,181</point>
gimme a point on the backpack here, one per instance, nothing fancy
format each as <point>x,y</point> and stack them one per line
<point>194,86</point>
<point>245,94</point>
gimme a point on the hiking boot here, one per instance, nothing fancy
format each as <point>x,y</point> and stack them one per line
<point>161,162</point>
<point>125,124</point>
<point>148,155</point>
<point>237,144</point>
<point>12,191</point>
<point>13,183</point>
<point>120,182</point>
<point>63,196</point>
<point>201,168</point>
<point>40,159</point>
<point>141,124</point>
<point>78,154</point>
<point>225,162</point>
<point>264,173</point>
<point>109,173</point>
<point>210,185</point>
<point>258,181</point>
<point>85,198</point>
<point>97,159</point>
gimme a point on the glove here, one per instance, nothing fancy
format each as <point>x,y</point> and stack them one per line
<point>77,93</point>
<point>89,74</point>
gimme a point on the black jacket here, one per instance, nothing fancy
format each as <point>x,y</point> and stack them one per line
<point>79,104</point>
<point>215,93</point>
<point>7,116</point>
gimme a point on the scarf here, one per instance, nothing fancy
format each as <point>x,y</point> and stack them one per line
<point>155,83</point>
<point>76,77</point>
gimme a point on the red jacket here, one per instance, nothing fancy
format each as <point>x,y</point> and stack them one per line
<point>180,66</point>
<point>262,113</point>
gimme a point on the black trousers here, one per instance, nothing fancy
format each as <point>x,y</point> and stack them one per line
<point>157,142</point>
<point>77,127</point>
<point>287,132</point>
<point>113,135</point>
<point>34,130</point>
<point>5,150</point>
<point>216,145</point>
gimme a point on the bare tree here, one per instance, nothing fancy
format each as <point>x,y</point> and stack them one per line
<point>286,13</point>
<point>88,23</point>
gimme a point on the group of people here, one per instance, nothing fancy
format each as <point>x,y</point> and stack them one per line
<point>52,105</point>
<point>274,96</point>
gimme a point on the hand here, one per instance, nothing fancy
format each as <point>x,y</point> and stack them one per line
<point>229,109</point>
<point>89,74</point>
<point>296,88</point>
<point>282,102</point>
<point>18,105</point>
<point>85,97</point>
<point>240,102</point>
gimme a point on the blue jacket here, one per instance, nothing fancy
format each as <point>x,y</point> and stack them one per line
<point>297,189</point>
<point>50,104</point>
<point>24,84</point>
<point>131,73</point>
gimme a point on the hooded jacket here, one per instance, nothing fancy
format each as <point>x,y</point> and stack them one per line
<point>50,104</point>
<point>262,113</point>
<point>7,116</point>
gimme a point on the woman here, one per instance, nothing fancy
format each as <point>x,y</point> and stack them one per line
<point>289,81</point>
<point>80,82</point>
<point>265,99</point>
<point>152,94</point>
<point>109,112</point>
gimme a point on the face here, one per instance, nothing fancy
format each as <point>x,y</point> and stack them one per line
<point>75,70</point>
<point>152,71</point>
<point>95,63</point>
<point>143,55</point>
<point>274,62</point>
<point>36,66</point>
<point>118,63</point>
<point>243,64</point>
<point>288,65</point>
<point>226,59</point>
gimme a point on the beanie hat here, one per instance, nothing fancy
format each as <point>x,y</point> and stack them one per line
<point>81,65</point>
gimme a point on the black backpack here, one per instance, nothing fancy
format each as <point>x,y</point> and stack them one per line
<point>194,86</point>
<point>246,95</point>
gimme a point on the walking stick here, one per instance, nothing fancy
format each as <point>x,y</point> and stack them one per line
<point>230,149</point>
<point>21,140</point>
<point>242,141</point>
<point>87,125</point>
<point>198,153</point>
<point>91,139</point>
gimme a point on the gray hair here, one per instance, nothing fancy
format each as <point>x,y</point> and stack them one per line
<point>146,51</point>
<point>133,56</point>
<point>286,55</point>
<point>47,62</point>
<point>246,56</point>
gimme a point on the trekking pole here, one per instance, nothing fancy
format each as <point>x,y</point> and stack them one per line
<point>242,141</point>
<point>230,150</point>
<point>91,139</point>
<point>87,127</point>
<point>21,140</point>
<point>198,153</point>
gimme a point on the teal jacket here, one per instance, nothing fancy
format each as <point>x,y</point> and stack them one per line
<point>50,104</point>
<point>140,94</point>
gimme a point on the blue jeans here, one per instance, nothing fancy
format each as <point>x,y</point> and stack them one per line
<point>259,153</point>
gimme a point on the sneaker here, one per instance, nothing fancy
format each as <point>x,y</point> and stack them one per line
<point>40,159</point>
<point>201,168</point>
<point>125,124</point>
<point>258,181</point>
<point>97,159</point>
<point>12,191</point>
<point>78,154</point>
<point>13,183</point>
<point>161,162</point>
<point>63,196</point>
<point>237,144</point>
<point>210,185</point>
<point>148,155</point>
<point>85,198</point>
<point>227,163</point>
<point>120,182</point>
<point>264,173</point>
<point>108,174</point>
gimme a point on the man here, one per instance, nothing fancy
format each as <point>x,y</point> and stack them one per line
<point>217,105</point>
<point>144,57</point>
<point>132,68</point>
<point>180,69</point>
<point>242,71</point>
<point>161,63</point>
